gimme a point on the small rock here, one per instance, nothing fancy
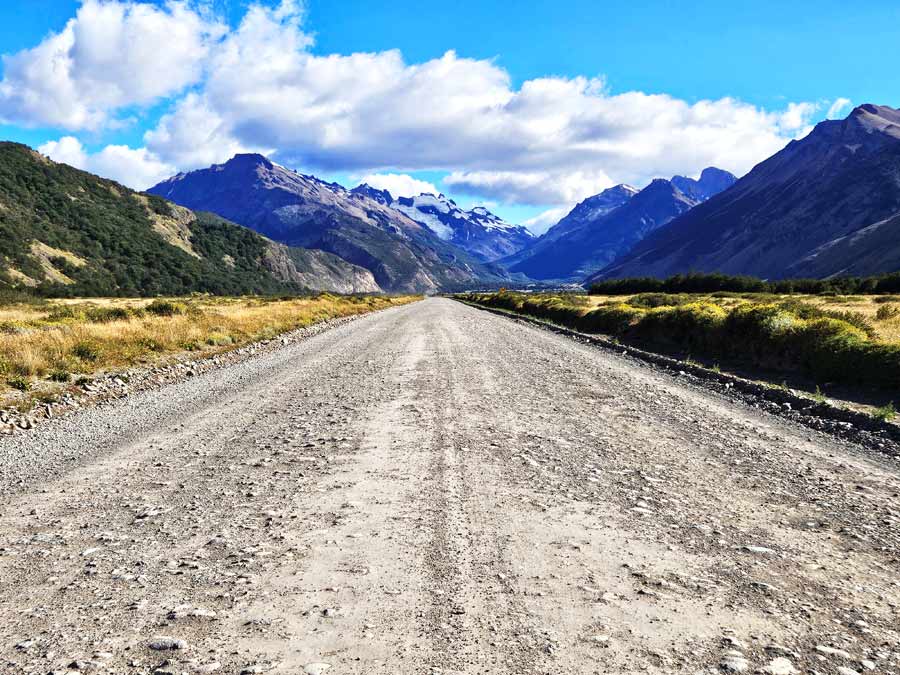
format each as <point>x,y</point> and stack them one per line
<point>831,651</point>
<point>316,668</point>
<point>759,549</point>
<point>780,666</point>
<point>161,644</point>
<point>734,662</point>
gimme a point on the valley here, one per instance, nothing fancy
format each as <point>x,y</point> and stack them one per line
<point>476,339</point>
<point>433,488</point>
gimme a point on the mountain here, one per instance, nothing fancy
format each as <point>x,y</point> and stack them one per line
<point>68,232</point>
<point>300,210</point>
<point>477,231</point>
<point>712,181</point>
<point>825,205</point>
<point>605,226</point>
<point>585,213</point>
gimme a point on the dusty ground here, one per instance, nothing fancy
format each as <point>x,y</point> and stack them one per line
<point>435,489</point>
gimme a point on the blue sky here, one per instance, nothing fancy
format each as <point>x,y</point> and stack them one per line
<point>535,107</point>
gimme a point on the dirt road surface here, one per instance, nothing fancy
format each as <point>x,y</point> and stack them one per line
<point>435,489</point>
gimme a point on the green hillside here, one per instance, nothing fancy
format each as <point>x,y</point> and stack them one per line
<point>65,232</point>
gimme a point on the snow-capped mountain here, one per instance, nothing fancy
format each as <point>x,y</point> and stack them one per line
<point>300,210</point>
<point>478,231</point>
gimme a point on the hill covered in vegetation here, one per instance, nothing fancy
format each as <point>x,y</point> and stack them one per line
<point>65,232</point>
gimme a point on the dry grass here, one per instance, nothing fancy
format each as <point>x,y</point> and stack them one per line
<point>43,346</point>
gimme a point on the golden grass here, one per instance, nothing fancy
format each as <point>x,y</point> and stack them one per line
<point>67,339</point>
<point>886,330</point>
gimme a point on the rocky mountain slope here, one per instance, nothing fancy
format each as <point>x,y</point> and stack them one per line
<point>478,231</point>
<point>586,212</point>
<point>300,210</point>
<point>607,225</point>
<point>825,205</point>
<point>68,232</point>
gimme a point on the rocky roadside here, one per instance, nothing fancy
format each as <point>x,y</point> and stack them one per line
<point>106,387</point>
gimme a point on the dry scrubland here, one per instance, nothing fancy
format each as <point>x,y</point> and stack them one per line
<point>831,340</point>
<point>46,346</point>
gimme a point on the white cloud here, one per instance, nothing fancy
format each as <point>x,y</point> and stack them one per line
<point>546,219</point>
<point>111,55</point>
<point>137,168</point>
<point>530,187</point>
<point>837,108</point>
<point>258,87</point>
<point>194,135</point>
<point>400,184</point>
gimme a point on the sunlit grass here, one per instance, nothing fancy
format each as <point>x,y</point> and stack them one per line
<point>42,346</point>
<point>886,325</point>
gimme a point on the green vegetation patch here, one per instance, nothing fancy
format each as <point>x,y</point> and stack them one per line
<point>110,229</point>
<point>828,346</point>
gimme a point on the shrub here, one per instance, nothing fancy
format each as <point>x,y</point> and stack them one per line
<point>60,375</point>
<point>887,312</point>
<point>107,314</point>
<point>611,319</point>
<point>885,413</point>
<point>651,300</point>
<point>86,351</point>
<point>165,308</point>
<point>219,340</point>
<point>18,382</point>
<point>63,312</point>
<point>694,326</point>
<point>806,311</point>
<point>10,328</point>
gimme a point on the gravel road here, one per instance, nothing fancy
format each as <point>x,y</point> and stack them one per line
<point>436,489</point>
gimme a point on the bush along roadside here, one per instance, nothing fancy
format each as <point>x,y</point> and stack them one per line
<point>770,336</point>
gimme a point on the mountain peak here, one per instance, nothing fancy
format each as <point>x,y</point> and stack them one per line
<point>380,196</point>
<point>249,159</point>
<point>712,181</point>
<point>877,118</point>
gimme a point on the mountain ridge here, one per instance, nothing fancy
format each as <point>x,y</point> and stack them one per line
<point>477,231</point>
<point>302,210</point>
<point>831,186</point>
<point>608,224</point>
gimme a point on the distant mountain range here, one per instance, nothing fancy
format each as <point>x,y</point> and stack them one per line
<point>68,232</point>
<point>609,224</point>
<point>402,254</point>
<point>477,231</point>
<point>825,205</point>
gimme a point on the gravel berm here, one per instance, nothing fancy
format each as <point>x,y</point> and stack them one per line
<point>437,489</point>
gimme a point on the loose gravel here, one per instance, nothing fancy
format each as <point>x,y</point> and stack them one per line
<point>436,489</point>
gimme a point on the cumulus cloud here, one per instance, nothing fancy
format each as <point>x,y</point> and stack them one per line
<point>111,55</point>
<point>546,219</point>
<point>400,184</point>
<point>194,135</point>
<point>837,108</point>
<point>137,168</point>
<point>551,141</point>
<point>259,87</point>
<point>530,187</point>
